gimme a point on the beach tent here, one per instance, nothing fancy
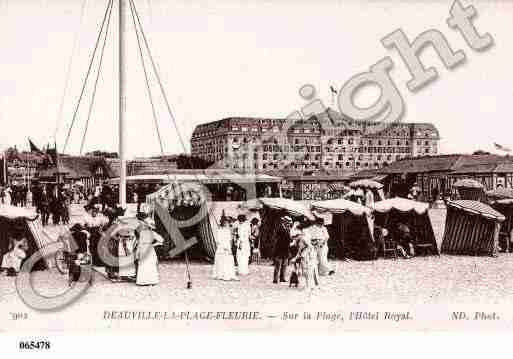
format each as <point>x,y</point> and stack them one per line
<point>203,215</point>
<point>271,213</point>
<point>500,193</point>
<point>374,186</point>
<point>18,222</point>
<point>352,228</point>
<point>391,212</point>
<point>469,189</point>
<point>505,207</point>
<point>471,228</point>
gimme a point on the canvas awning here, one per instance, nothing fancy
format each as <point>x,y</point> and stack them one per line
<point>400,204</point>
<point>366,183</point>
<point>295,208</point>
<point>468,183</point>
<point>500,193</point>
<point>476,207</point>
<point>341,206</point>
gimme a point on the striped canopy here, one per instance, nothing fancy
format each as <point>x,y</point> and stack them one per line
<point>468,183</point>
<point>500,193</point>
<point>366,183</point>
<point>294,208</point>
<point>476,207</point>
<point>400,204</point>
<point>341,206</point>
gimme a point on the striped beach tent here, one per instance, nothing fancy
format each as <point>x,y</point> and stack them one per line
<point>392,212</point>
<point>471,228</point>
<point>352,228</point>
<point>18,223</point>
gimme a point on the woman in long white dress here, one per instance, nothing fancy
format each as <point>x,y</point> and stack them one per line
<point>147,265</point>
<point>243,245</point>
<point>224,264</point>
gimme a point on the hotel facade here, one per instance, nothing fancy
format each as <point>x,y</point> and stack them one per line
<point>326,141</point>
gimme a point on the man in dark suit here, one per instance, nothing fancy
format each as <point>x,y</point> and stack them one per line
<point>282,248</point>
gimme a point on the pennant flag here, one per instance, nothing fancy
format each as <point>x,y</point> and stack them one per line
<point>501,148</point>
<point>333,90</point>
<point>33,147</point>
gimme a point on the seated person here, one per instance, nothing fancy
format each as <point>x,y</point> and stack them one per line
<point>405,241</point>
<point>13,259</point>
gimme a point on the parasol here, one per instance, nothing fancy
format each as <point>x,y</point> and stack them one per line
<point>366,183</point>
<point>468,183</point>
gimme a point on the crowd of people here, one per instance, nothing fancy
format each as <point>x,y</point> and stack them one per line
<point>301,245</point>
<point>135,245</point>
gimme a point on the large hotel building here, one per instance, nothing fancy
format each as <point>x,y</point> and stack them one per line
<point>325,141</point>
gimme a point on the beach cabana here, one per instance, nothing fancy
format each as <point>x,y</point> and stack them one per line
<point>471,228</point>
<point>374,186</point>
<point>391,212</point>
<point>352,228</point>
<point>271,214</point>
<point>18,223</point>
<point>505,207</point>
<point>469,189</point>
<point>499,193</point>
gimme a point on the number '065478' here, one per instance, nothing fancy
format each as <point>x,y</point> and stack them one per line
<point>34,345</point>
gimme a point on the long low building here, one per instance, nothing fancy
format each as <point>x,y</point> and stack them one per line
<point>436,175</point>
<point>223,184</point>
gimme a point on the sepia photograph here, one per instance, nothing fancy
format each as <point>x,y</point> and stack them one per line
<point>255,165</point>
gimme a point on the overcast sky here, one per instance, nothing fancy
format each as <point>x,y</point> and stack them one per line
<point>244,58</point>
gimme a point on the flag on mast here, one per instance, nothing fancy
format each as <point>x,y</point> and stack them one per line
<point>502,148</point>
<point>333,90</point>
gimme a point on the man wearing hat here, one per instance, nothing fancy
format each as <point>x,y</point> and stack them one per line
<point>281,249</point>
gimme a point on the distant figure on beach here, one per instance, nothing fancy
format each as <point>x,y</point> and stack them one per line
<point>305,258</point>
<point>224,264</point>
<point>243,245</point>
<point>317,234</point>
<point>282,249</point>
<point>145,255</point>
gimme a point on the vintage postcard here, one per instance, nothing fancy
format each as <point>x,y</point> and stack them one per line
<point>256,165</point>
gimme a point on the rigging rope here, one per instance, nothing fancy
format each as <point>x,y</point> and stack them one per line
<point>97,78</point>
<point>147,81</point>
<point>138,29</point>
<point>168,106</point>
<point>86,77</point>
<point>68,73</point>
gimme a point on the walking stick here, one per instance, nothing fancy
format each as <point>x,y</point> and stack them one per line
<point>187,270</point>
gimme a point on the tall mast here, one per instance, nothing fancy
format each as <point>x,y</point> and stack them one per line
<point>123,22</point>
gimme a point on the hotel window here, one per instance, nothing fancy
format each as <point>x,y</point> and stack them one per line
<point>348,164</point>
<point>340,141</point>
<point>244,129</point>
